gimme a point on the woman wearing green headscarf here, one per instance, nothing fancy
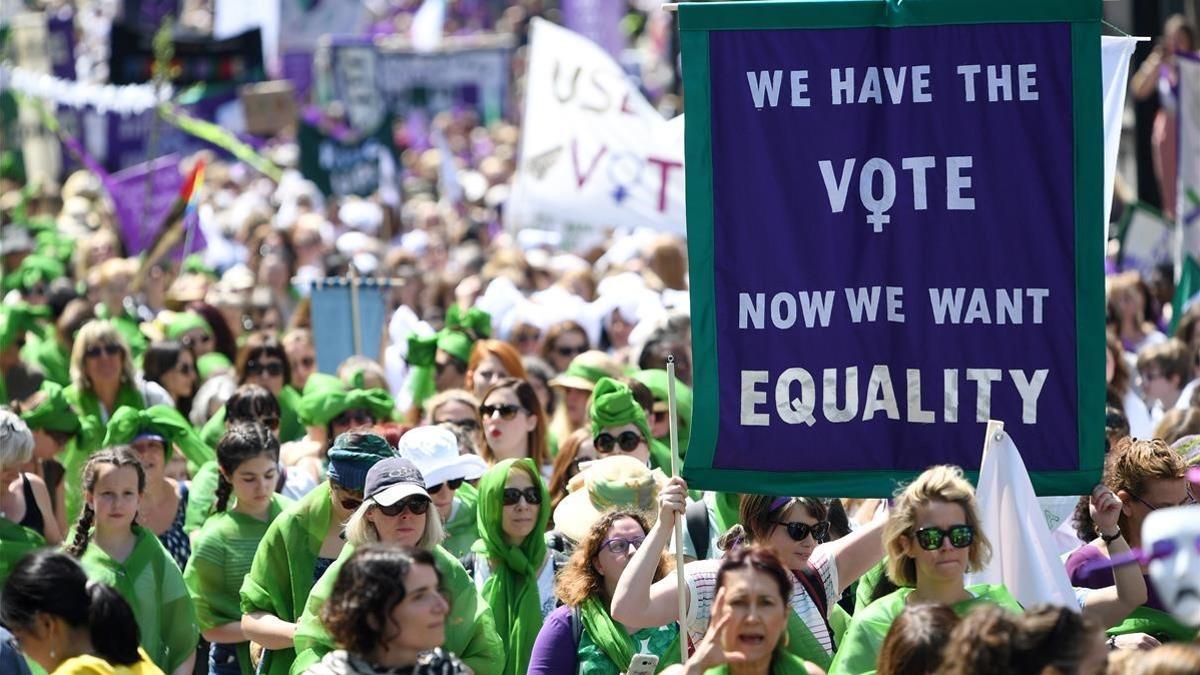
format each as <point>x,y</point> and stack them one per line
<point>154,433</point>
<point>330,405</point>
<point>193,332</point>
<point>394,487</point>
<point>103,379</point>
<point>17,320</point>
<point>300,545</point>
<point>619,425</point>
<point>511,564</point>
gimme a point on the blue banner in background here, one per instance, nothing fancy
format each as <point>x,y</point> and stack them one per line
<point>333,322</point>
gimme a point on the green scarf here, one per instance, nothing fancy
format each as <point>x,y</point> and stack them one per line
<point>655,380</point>
<point>127,423</point>
<point>727,506</point>
<point>325,398</point>
<point>782,663</point>
<point>614,641</point>
<point>512,590</point>
<point>54,413</point>
<point>15,542</point>
<point>50,356</point>
<point>33,269</point>
<point>17,318</point>
<point>422,355</point>
<point>1154,622</point>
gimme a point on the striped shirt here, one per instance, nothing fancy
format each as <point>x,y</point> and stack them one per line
<point>702,580</point>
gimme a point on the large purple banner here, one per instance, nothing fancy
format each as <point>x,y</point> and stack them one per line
<point>893,221</point>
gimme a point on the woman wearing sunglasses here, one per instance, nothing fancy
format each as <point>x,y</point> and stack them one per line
<point>262,361</point>
<point>514,425</point>
<point>563,341</point>
<point>299,547</point>
<point>933,539</point>
<point>794,528</point>
<point>619,426</point>
<point>330,408</point>
<point>193,332</point>
<point>173,366</point>
<point>581,636</point>
<point>396,511</point>
<point>458,407</point>
<point>435,452</point>
<point>511,564</point>
<point>103,378</point>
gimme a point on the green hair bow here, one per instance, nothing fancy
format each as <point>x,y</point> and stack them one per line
<point>126,423</point>
<point>54,413</point>
<point>323,402</point>
<point>613,405</point>
<point>422,356</point>
<point>475,322</point>
<point>18,318</point>
<point>34,269</point>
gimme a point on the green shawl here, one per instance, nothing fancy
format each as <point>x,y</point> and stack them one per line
<point>655,380</point>
<point>54,413</point>
<point>782,663</point>
<point>512,590</point>
<point>290,428</point>
<point>470,633</point>
<point>51,357</point>
<point>18,318</point>
<point>152,584</point>
<point>615,645</point>
<point>128,327</point>
<point>461,529</point>
<point>34,268</point>
<point>127,423</point>
<point>860,648</point>
<point>325,397</point>
<point>15,542</point>
<point>91,433</point>
<point>1154,622</point>
<point>727,507</point>
<point>221,558</point>
<point>281,575</point>
<point>202,496</point>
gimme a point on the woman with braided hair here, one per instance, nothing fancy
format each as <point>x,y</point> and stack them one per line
<point>115,550</point>
<point>248,456</point>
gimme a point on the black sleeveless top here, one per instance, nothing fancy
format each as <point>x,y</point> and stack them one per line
<point>33,519</point>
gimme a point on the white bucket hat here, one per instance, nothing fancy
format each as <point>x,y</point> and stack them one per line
<point>435,452</point>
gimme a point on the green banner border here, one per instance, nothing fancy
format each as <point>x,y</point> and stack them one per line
<point>695,22</point>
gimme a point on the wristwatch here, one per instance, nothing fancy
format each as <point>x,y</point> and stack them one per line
<point>1110,538</point>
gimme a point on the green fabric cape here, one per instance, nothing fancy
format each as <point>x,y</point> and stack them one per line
<point>34,268</point>
<point>126,423</point>
<point>605,648</point>
<point>18,318</point>
<point>421,357</point>
<point>202,496</point>
<point>462,529</point>
<point>783,663</point>
<point>290,428</point>
<point>15,542</point>
<point>727,506</point>
<point>512,590</point>
<point>655,380</point>
<point>152,584</point>
<point>1154,622</point>
<point>129,328</point>
<point>91,433</point>
<point>221,558</point>
<point>281,575</point>
<point>470,633</point>
<point>867,583</point>
<point>860,649</point>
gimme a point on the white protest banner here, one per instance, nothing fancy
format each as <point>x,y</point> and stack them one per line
<point>1147,239</point>
<point>594,153</point>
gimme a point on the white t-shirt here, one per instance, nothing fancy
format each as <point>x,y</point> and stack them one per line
<point>702,580</point>
<point>545,581</point>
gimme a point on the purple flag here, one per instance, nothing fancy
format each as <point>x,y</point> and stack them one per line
<point>598,21</point>
<point>159,180</point>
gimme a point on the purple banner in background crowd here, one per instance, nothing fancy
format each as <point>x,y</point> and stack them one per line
<point>159,181</point>
<point>597,20</point>
<point>893,250</point>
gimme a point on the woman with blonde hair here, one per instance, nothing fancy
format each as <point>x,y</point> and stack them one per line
<point>933,538</point>
<point>103,379</point>
<point>397,510</point>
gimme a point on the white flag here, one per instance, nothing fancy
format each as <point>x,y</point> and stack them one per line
<point>1024,554</point>
<point>594,153</point>
<point>1114,68</point>
<point>427,25</point>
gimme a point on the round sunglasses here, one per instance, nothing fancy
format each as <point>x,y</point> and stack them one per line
<point>799,531</point>
<point>628,441</point>
<point>418,506</point>
<point>532,496</point>
<point>931,538</point>
<point>452,484</point>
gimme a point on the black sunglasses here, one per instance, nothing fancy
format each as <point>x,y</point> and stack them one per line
<point>465,425</point>
<point>800,531</point>
<point>452,484</point>
<point>418,506</point>
<point>308,361</point>
<point>185,369</point>
<point>272,368</point>
<point>532,496</point>
<point>627,440</point>
<point>931,538</point>
<point>570,351</point>
<point>351,500</point>
<point>204,338</point>
<point>60,437</point>
<point>354,418</point>
<point>95,351</point>
<point>507,410</point>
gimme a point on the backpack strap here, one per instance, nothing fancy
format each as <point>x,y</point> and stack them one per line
<point>696,517</point>
<point>810,578</point>
<point>576,625</point>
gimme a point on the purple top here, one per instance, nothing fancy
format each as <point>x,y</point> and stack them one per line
<point>555,651</point>
<point>1103,577</point>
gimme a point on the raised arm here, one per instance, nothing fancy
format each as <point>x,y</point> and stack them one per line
<point>858,551</point>
<point>1109,606</point>
<point>640,602</point>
